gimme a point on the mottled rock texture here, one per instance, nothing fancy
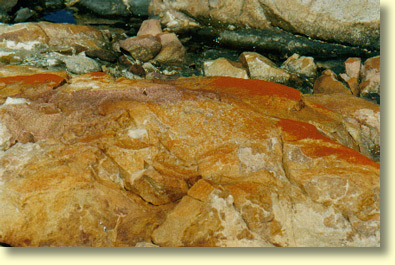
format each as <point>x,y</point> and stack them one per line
<point>353,22</point>
<point>214,161</point>
<point>45,36</point>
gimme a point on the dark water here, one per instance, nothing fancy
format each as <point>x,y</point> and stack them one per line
<point>60,16</point>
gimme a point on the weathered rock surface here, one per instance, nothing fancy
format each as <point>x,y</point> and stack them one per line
<point>359,112</point>
<point>51,36</point>
<point>370,77</point>
<point>189,162</point>
<point>224,67</point>
<point>283,43</point>
<point>355,22</point>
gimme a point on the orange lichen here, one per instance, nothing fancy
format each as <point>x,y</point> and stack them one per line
<point>258,87</point>
<point>97,74</point>
<point>297,130</point>
<point>32,80</point>
<point>342,152</point>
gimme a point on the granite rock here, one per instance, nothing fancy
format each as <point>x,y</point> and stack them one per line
<point>356,22</point>
<point>200,161</point>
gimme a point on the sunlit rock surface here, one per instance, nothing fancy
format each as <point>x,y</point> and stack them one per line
<point>208,161</point>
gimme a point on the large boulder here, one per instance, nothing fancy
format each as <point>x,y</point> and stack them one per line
<point>214,161</point>
<point>355,22</point>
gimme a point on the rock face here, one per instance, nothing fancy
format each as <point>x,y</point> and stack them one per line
<point>355,22</point>
<point>188,162</point>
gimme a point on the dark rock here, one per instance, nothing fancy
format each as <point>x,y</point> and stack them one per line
<point>283,43</point>
<point>102,54</point>
<point>23,15</point>
<point>4,17</point>
<point>137,70</point>
<point>139,7</point>
<point>53,4</point>
<point>7,5</point>
<point>124,60</point>
<point>105,7</point>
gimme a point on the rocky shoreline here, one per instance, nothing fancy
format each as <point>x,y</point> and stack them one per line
<point>170,123</point>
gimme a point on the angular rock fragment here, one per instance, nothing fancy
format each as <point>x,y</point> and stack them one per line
<point>260,67</point>
<point>224,67</point>
<point>353,67</point>
<point>327,83</point>
<point>80,64</point>
<point>151,27</point>
<point>300,65</point>
<point>142,48</point>
<point>172,52</point>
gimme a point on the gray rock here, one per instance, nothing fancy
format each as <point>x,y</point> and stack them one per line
<point>285,44</point>
<point>23,15</point>
<point>7,5</point>
<point>80,64</point>
<point>106,7</point>
<point>4,17</point>
<point>350,22</point>
<point>54,4</point>
<point>139,7</point>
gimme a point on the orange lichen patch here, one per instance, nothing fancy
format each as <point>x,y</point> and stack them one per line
<point>97,74</point>
<point>32,80</point>
<point>258,87</point>
<point>297,130</point>
<point>341,152</point>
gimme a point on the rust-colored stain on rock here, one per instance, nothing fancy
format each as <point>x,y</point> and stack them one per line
<point>258,87</point>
